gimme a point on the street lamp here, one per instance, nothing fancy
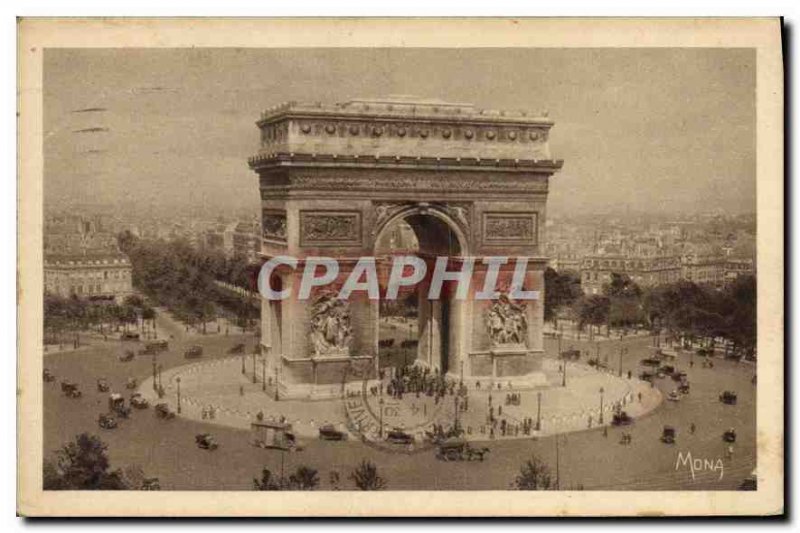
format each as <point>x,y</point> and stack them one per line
<point>264,374</point>
<point>243,355</point>
<point>622,351</point>
<point>255,380</point>
<point>155,384</point>
<point>602,390</point>
<point>178,380</point>
<point>538,411</point>
<point>564,374</point>
<point>380,402</point>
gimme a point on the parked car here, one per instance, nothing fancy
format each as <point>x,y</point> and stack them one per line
<point>138,401</point>
<point>102,385</point>
<point>154,347</point>
<point>116,405</point>
<point>193,352</point>
<point>48,376</point>
<point>729,436</point>
<point>127,356</point>
<point>205,441</point>
<point>398,436</point>
<point>458,449</point>
<point>129,336</point>
<point>329,432</point>
<point>571,355</point>
<point>668,435</point>
<point>106,421</point>
<point>70,389</point>
<point>728,397</point>
<point>163,411</point>
<point>237,349</point>
<point>131,383</point>
<point>621,418</point>
<point>678,376</point>
<point>684,388</point>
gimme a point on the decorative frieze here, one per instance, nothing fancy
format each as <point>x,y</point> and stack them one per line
<point>330,228</point>
<point>510,228</point>
<point>273,225</point>
<point>329,326</point>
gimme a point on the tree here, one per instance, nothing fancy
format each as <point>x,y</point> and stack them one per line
<point>366,477</point>
<point>82,465</point>
<point>304,478</point>
<point>533,475</point>
<point>267,481</point>
<point>561,289</point>
<point>593,310</point>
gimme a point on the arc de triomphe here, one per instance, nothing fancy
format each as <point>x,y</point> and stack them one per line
<point>469,182</point>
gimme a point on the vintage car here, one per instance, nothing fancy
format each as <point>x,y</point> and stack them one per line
<point>621,418</point>
<point>678,376</point>
<point>674,396</point>
<point>728,397</point>
<point>647,376</point>
<point>129,336</point>
<point>205,441</point>
<point>458,449</point>
<point>237,349</point>
<point>48,376</point>
<point>132,383</point>
<point>650,362</point>
<point>162,410</point>
<point>684,388</point>
<point>106,421</point>
<point>154,347</point>
<point>151,483</point>
<point>193,352</point>
<point>70,389</point>
<point>329,432</point>
<point>668,435</point>
<point>729,436</point>
<point>127,356</point>
<point>667,369</point>
<point>398,436</point>
<point>571,355</point>
<point>116,405</point>
<point>138,401</point>
<point>102,385</point>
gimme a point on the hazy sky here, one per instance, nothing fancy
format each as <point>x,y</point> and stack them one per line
<point>649,129</point>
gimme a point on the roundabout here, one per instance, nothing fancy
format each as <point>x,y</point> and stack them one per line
<point>216,391</point>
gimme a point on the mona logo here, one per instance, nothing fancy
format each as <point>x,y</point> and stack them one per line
<point>699,465</point>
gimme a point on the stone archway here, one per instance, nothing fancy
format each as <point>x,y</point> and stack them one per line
<point>332,176</point>
<point>439,323</point>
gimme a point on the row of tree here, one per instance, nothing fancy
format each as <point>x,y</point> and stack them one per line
<point>71,315</point>
<point>185,280</point>
<point>683,309</point>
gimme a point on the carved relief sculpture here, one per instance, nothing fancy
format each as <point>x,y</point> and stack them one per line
<point>509,228</point>
<point>330,228</point>
<point>273,225</point>
<point>506,322</point>
<point>330,326</point>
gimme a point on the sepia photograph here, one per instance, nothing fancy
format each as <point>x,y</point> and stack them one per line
<point>426,271</point>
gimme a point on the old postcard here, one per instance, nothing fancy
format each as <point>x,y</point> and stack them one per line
<point>409,267</point>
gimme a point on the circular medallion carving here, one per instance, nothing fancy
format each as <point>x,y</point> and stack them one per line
<point>423,134</point>
<point>305,128</point>
<point>330,128</point>
<point>469,134</point>
<point>353,130</point>
<point>512,135</point>
<point>491,134</point>
<point>446,134</point>
<point>377,131</point>
<point>401,132</point>
<point>534,135</point>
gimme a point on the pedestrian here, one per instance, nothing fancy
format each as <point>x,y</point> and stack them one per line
<point>605,431</point>
<point>692,428</point>
<point>640,397</point>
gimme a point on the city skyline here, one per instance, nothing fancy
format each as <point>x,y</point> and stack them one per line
<point>131,134</point>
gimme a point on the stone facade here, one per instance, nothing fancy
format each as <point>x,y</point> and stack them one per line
<point>469,182</point>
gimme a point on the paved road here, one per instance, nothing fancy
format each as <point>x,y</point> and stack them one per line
<point>587,459</point>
